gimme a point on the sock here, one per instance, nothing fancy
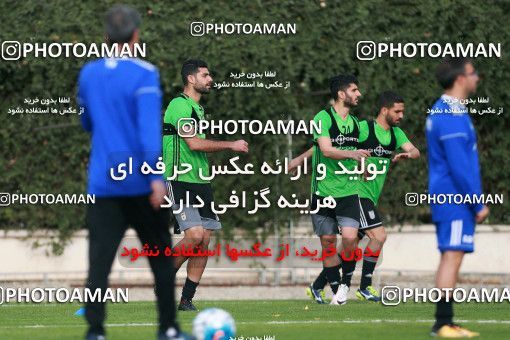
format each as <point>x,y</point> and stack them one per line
<point>444,313</point>
<point>333,276</point>
<point>320,281</point>
<point>369,263</point>
<point>347,271</point>
<point>189,289</point>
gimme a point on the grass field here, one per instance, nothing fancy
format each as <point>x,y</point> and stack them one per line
<point>289,319</point>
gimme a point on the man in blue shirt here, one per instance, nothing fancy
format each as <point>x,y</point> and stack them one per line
<point>121,99</point>
<point>453,169</point>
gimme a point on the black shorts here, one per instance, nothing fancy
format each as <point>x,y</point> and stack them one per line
<point>347,206</point>
<point>189,216</point>
<point>327,221</point>
<point>369,216</point>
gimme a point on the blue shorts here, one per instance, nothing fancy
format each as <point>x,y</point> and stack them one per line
<point>456,235</point>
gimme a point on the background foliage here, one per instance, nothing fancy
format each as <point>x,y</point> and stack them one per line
<point>42,154</point>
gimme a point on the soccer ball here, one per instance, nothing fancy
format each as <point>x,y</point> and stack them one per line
<point>214,324</point>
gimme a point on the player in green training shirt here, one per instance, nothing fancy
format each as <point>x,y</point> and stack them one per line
<point>336,146</point>
<point>187,168</point>
<point>381,137</point>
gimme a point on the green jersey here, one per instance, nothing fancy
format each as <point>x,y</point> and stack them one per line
<point>175,150</point>
<point>344,134</point>
<point>381,143</point>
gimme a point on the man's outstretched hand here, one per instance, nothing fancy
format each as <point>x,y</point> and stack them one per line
<point>239,146</point>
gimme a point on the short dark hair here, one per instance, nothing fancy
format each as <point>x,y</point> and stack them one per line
<point>189,67</point>
<point>388,98</point>
<point>340,83</point>
<point>121,21</point>
<point>449,69</point>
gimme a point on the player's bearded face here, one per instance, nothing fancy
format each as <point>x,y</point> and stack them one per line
<point>203,81</point>
<point>395,114</point>
<point>351,96</point>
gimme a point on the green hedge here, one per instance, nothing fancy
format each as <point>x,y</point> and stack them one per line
<point>36,158</point>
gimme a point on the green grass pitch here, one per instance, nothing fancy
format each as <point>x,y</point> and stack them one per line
<point>288,319</point>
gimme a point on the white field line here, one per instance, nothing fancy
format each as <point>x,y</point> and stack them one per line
<point>281,322</point>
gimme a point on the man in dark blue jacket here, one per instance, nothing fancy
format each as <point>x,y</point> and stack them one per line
<point>121,99</point>
<point>453,170</point>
